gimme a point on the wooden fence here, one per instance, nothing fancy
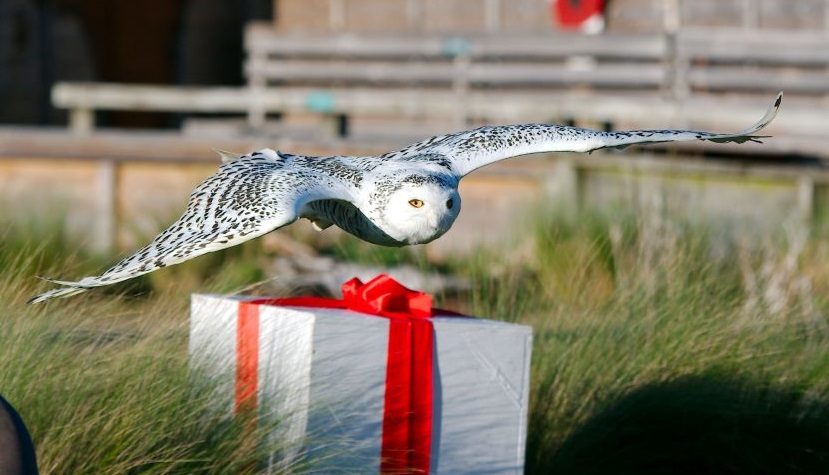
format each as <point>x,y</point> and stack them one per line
<point>511,16</point>
<point>699,78</point>
<point>696,78</point>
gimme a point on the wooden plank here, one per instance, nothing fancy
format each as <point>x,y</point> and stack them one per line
<point>791,48</point>
<point>266,40</point>
<point>432,73</point>
<point>102,96</point>
<point>111,96</point>
<point>375,46</point>
<point>358,72</point>
<point>155,147</point>
<point>427,74</point>
<point>563,45</point>
<point>620,46</point>
<point>599,75</point>
<point>753,79</point>
<point>510,106</point>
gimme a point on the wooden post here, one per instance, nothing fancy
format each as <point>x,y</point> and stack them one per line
<point>256,87</point>
<point>81,120</point>
<point>676,85</point>
<point>333,127</point>
<point>277,13</point>
<point>826,16</point>
<point>806,198</point>
<point>492,16</point>
<point>671,16</point>
<point>680,69</point>
<point>669,64</point>
<point>565,187</point>
<point>336,15</point>
<point>414,15</point>
<point>460,86</point>
<point>106,207</point>
<point>751,14</point>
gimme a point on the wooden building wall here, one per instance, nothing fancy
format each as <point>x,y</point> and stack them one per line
<point>534,16</point>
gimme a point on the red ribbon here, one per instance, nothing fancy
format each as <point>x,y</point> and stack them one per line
<point>407,415</point>
<point>247,358</point>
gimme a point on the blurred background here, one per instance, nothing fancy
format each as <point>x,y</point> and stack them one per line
<point>109,108</point>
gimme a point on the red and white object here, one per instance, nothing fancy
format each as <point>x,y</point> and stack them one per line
<point>586,16</point>
<point>372,383</point>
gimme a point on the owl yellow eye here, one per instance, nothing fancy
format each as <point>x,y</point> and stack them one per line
<point>416,203</point>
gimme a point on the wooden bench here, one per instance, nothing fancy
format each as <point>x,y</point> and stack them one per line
<point>453,71</point>
<point>485,77</point>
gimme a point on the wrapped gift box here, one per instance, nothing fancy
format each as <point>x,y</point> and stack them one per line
<point>382,389</point>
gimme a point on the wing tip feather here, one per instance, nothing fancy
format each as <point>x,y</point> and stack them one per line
<point>55,293</point>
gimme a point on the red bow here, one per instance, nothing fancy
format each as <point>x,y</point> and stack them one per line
<point>407,415</point>
<point>381,296</point>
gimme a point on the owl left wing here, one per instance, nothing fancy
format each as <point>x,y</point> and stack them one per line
<point>472,149</point>
<point>249,196</point>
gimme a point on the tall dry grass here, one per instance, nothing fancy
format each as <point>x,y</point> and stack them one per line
<point>658,350</point>
<point>652,353</point>
<point>103,381</point>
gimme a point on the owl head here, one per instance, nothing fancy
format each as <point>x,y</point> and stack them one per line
<point>420,208</point>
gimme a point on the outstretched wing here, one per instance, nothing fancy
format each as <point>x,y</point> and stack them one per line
<point>475,148</point>
<point>248,197</point>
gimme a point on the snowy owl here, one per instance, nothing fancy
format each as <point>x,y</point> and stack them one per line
<point>409,196</point>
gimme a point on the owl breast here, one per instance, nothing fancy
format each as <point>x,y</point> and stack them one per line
<point>350,219</point>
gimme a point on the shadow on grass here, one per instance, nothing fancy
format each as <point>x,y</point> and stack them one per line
<point>697,425</point>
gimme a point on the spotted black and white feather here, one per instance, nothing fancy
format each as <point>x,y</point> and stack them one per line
<point>469,150</point>
<point>405,197</point>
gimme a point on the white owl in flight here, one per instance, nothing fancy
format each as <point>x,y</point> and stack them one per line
<point>405,197</point>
